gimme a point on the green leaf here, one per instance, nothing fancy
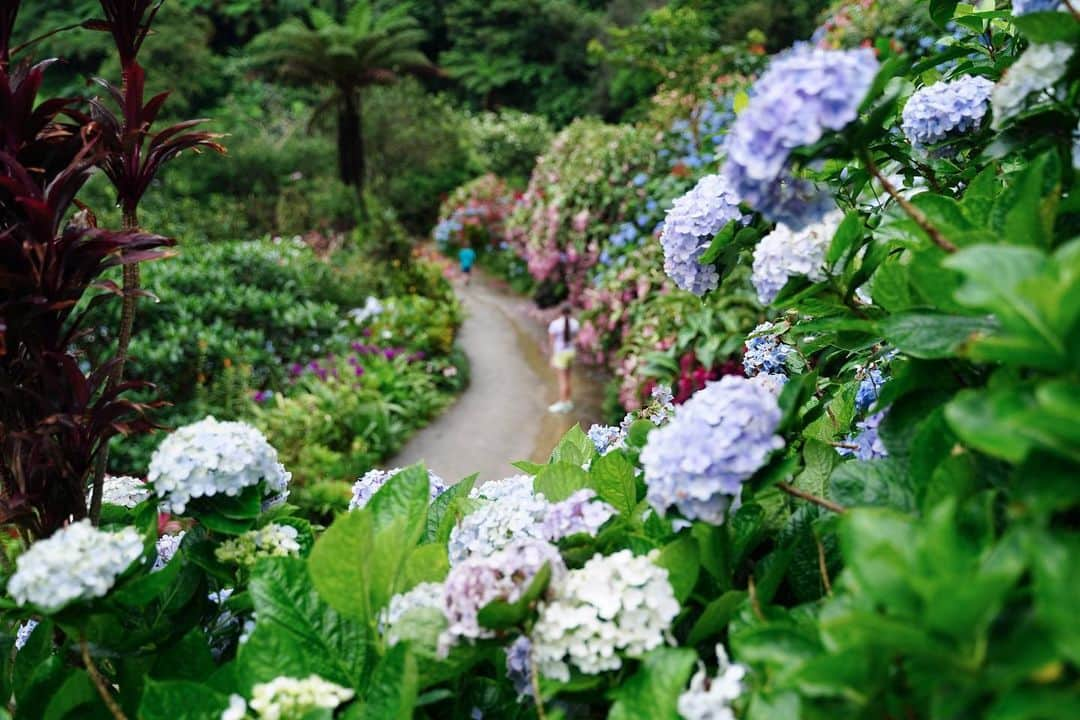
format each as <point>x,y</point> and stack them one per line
<point>76,698</point>
<point>941,11</point>
<point>848,235</point>
<point>428,563</point>
<point>394,687</point>
<point>929,335</point>
<point>882,482</point>
<point>652,693</point>
<point>574,448</point>
<point>1048,27</point>
<point>1056,561</point>
<point>877,547</point>
<point>297,633</point>
<point>560,480</point>
<point>175,700</point>
<point>680,559</point>
<point>716,616</point>
<point>340,567</point>
<point>404,498</point>
<point>527,467</point>
<point>612,476</point>
<point>719,243</point>
<point>445,509</point>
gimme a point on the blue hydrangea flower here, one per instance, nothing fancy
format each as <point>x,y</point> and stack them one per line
<point>867,444</point>
<point>519,666</point>
<point>1023,7</point>
<point>718,439</point>
<point>946,109</point>
<point>764,352</point>
<point>805,93</point>
<point>606,437</point>
<point>689,227</point>
<point>869,388</point>
<point>784,253</point>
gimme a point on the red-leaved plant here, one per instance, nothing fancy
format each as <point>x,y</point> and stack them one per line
<point>57,412</point>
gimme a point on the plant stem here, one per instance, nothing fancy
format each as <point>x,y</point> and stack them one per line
<point>810,497</point>
<point>822,567</point>
<point>534,680</point>
<point>99,682</point>
<point>1073,10</point>
<point>127,321</point>
<point>913,212</point>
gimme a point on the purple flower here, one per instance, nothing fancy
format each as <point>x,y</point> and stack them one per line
<point>575,515</point>
<point>689,227</point>
<point>717,440</point>
<point>296,369</point>
<point>262,396</point>
<point>805,93</point>
<point>359,371</point>
<point>503,575</point>
<point>1023,7</point>
<point>945,109</point>
<point>868,445</point>
<point>519,666</point>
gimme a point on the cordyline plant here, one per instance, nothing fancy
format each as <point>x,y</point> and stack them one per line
<point>57,414</point>
<point>133,156</point>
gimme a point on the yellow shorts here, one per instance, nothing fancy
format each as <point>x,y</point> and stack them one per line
<point>562,359</point>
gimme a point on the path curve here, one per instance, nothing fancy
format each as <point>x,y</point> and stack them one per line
<point>502,416</point>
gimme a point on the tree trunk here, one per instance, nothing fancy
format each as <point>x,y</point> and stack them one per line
<point>351,141</point>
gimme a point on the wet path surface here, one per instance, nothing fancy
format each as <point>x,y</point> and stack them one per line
<point>502,416</point>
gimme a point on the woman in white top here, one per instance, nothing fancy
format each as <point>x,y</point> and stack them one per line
<point>561,334</point>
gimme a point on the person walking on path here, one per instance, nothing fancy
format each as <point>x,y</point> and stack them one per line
<point>562,332</point>
<point>467,257</point>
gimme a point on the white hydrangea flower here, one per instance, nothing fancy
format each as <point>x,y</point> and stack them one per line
<point>167,545</point>
<point>507,510</point>
<point>368,484</point>
<point>1038,69</point>
<point>77,562</point>
<point>286,698</point>
<point>426,595</point>
<point>273,540</point>
<point>122,490</point>
<point>209,458</point>
<point>784,253</point>
<point>710,698</point>
<point>614,606</point>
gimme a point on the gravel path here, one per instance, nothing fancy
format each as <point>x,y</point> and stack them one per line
<point>502,416</point>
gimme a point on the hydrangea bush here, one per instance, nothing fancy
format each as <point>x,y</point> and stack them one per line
<point>887,529</point>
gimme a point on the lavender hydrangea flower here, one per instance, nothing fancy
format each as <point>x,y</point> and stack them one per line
<point>717,440</point>
<point>946,109</point>
<point>575,515</point>
<point>689,227</point>
<point>370,482</point>
<point>519,666</point>
<point>1038,70</point>
<point>424,596</point>
<point>764,352</point>
<point>785,253</point>
<point>805,93</point>
<point>773,382</point>
<point>868,444</point>
<point>1023,7</point>
<point>503,575</point>
<point>506,510</point>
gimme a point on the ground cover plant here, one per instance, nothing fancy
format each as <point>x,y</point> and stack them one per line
<point>872,516</point>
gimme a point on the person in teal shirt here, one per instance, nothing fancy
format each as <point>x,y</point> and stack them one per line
<point>467,257</point>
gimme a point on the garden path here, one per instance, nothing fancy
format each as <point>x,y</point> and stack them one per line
<point>502,416</point>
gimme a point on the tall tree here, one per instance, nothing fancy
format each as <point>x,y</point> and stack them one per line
<point>346,57</point>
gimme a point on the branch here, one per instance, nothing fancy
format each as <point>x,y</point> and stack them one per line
<point>99,682</point>
<point>810,497</point>
<point>822,568</point>
<point>534,680</point>
<point>1072,9</point>
<point>913,212</point>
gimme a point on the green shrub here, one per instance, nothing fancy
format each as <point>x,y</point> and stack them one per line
<point>507,143</point>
